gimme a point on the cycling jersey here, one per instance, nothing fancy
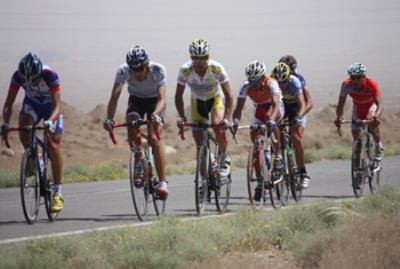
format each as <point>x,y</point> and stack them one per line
<point>207,86</point>
<point>156,77</point>
<point>301,78</point>
<point>261,98</point>
<point>293,89</point>
<point>363,98</point>
<point>39,93</point>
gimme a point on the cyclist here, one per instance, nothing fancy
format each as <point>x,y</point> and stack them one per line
<point>42,101</point>
<point>367,102</point>
<point>293,99</point>
<point>147,82</point>
<point>267,107</point>
<point>210,92</point>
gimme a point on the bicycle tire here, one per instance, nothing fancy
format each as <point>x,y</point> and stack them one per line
<point>295,180</point>
<point>274,189</point>
<point>48,182</point>
<point>140,192</point>
<point>357,179</point>
<point>201,183</point>
<point>373,165</point>
<point>254,159</point>
<point>287,178</point>
<point>222,192</point>
<point>29,187</point>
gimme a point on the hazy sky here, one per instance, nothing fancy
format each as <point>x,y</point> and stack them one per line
<point>86,41</point>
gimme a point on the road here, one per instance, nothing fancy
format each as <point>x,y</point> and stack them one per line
<point>97,205</point>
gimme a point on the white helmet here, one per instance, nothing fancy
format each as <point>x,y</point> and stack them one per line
<point>255,69</point>
<point>199,48</point>
<point>357,69</point>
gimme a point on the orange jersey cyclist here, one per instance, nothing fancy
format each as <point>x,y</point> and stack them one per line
<point>367,102</point>
<point>293,99</point>
<point>42,101</point>
<point>147,82</point>
<point>210,93</point>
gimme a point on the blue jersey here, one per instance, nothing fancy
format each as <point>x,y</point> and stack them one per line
<point>293,89</point>
<point>301,78</point>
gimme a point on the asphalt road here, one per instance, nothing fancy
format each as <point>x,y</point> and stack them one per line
<point>100,205</point>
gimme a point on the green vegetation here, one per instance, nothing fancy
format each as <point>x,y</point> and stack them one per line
<point>359,233</point>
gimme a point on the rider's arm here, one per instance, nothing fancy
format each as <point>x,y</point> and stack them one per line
<point>179,99</point>
<point>160,106</point>
<point>379,106</point>
<point>112,104</point>
<point>308,100</point>
<point>237,113</point>
<point>275,106</point>
<point>56,102</point>
<point>301,103</point>
<point>226,88</point>
<point>7,108</point>
<point>340,107</point>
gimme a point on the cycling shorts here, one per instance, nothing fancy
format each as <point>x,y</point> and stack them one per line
<point>143,106</point>
<point>291,111</point>
<point>360,112</point>
<point>41,111</point>
<point>201,109</point>
<point>258,114</point>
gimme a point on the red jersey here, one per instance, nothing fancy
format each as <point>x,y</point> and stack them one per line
<point>365,97</point>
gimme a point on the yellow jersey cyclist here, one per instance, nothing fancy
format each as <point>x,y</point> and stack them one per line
<point>210,93</point>
<point>42,101</point>
<point>293,100</point>
<point>147,82</point>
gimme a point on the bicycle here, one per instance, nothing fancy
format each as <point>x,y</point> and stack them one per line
<point>143,191</point>
<point>364,166</point>
<point>208,167</point>
<point>290,174</point>
<point>35,179</point>
<point>259,176</point>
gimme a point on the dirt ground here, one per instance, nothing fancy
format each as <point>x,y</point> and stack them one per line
<point>86,142</point>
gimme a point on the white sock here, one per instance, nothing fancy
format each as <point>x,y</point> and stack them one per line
<point>57,189</point>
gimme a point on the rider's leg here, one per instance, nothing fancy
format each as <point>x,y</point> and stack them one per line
<point>159,155</point>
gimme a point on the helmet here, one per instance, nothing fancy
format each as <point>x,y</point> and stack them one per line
<point>357,69</point>
<point>137,57</point>
<point>281,72</point>
<point>199,47</point>
<point>255,69</point>
<point>290,61</point>
<point>30,68</point>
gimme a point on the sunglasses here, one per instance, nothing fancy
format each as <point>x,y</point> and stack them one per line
<point>282,82</point>
<point>356,77</point>
<point>254,79</point>
<point>137,69</point>
<point>199,59</point>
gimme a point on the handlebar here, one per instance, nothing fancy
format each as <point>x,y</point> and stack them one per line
<point>254,127</point>
<point>288,124</point>
<point>135,124</point>
<point>200,125</point>
<point>27,128</point>
<point>357,122</point>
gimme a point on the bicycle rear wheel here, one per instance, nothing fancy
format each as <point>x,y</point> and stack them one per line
<point>222,192</point>
<point>201,182</point>
<point>374,167</point>
<point>48,194</point>
<point>29,186</point>
<point>255,186</point>
<point>357,169</point>
<point>139,189</point>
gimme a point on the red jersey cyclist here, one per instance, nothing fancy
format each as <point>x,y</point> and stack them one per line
<point>210,93</point>
<point>42,101</point>
<point>367,102</point>
<point>267,106</point>
<point>147,82</point>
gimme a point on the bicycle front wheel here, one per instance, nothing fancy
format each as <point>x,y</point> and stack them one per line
<point>139,181</point>
<point>222,192</point>
<point>374,167</point>
<point>48,194</point>
<point>255,184</point>
<point>201,182</point>
<point>357,169</point>
<point>29,186</point>
<point>274,184</point>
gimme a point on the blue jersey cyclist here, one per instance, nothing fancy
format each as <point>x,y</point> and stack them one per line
<point>210,93</point>
<point>147,85</point>
<point>42,101</point>
<point>293,100</point>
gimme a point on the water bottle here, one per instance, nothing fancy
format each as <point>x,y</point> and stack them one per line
<point>266,158</point>
<point>147,156</point>
<point>41,164</point>
<point>214,163</point>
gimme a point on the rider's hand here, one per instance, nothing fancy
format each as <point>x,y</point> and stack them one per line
<point>376,121</point>
<point>234,128</point>
<point>225,123</point>
<point>51,126</point>
<point>180,121</point>
<point>108,125</point>
<point>337,122</point>
<point>271,123</point>
<point>157,118</point>
<point>3,129</point>
<point>296,121</point>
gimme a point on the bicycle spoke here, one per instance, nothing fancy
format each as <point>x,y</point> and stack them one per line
<point>255,188</point>
<point>357,169</point>
<point>201,183</point>
<point>139,189</point>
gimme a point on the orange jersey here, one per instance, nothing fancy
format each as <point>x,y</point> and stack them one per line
<point>270,88</point>
<point>365,97</point>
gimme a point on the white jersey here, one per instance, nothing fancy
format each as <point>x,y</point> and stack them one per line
<point>206,87</point>
<point>156,77</point>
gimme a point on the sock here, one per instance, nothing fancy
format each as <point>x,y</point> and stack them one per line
<point>57,189</point>
<point>303,170</point>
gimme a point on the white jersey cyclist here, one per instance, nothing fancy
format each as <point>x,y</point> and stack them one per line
<point>206,87</point>
<point>156,77</point>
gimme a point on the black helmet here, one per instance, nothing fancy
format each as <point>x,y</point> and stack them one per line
<point>30,69</point>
